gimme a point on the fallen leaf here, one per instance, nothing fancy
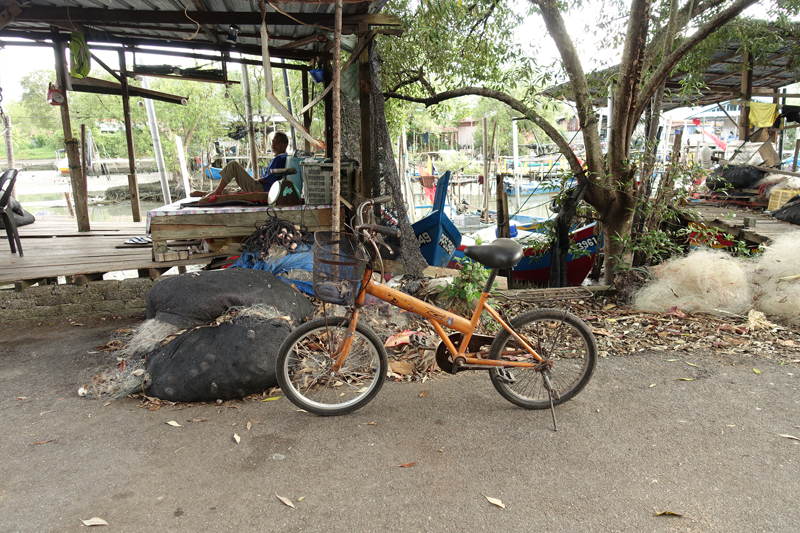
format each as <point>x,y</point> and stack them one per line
<point>286,501</point>
<point>301,498</point>
<point>404,337</point>
<point>601,331</point>
<point>652,385</point>
<point>407,465</point>
<point>757,371</point>
<point>609,306</point>
<point>249,425</point>
<point>423,393</point>
<point>674,311</point>
<point>44,441</point>
<point>691,364</point>
<point>371,424</point>
<point>788,437</point>
<point>667,513</point>
<point>685,379</point>
<point>237,438</point>
<point>94,522</point>
<point>671,360</point>
<point>404,368</point>
<point>271,399</point>
<point>174,424</point>
<point>495,501</point>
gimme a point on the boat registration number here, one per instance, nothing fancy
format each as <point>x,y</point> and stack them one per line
<point>444,241</point>
<point>586,244</point>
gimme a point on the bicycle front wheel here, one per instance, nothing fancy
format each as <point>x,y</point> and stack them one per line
<point>305,362</point>
<point>557,336</point>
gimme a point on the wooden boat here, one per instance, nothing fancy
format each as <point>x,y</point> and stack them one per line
<point>534,267</point>
<point>437,235</point>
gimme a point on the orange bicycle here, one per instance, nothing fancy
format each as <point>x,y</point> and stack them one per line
<point>335,365</point>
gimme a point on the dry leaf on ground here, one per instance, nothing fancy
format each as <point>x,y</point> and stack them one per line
<point>495,501</point>
<point>286,501</point>
<point>94,522</point>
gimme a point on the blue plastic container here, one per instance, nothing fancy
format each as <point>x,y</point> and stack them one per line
<point>317,75</point>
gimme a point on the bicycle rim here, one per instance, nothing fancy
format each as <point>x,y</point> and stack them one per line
<point>557,336</point>
<point>305,367</point>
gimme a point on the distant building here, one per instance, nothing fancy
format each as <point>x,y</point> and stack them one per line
<point>466,133</point>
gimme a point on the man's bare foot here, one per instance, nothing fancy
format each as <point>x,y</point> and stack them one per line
<point>197,194</point>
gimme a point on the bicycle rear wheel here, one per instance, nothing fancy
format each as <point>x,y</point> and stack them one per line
<point>305,361</point>
<point>557,336</point>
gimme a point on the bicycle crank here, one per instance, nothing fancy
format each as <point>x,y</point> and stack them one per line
<point>444,357</point>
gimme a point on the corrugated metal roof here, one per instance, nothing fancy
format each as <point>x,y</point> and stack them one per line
<point>204,24</point>
<point>722,76</point>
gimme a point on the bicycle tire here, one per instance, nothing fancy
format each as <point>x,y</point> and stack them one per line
<point>558,336</point>
<point>304,362</point>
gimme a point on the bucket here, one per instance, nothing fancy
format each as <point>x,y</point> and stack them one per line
<point>317,75</point>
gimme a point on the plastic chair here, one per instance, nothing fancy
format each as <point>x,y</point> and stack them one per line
<point>7,181</point>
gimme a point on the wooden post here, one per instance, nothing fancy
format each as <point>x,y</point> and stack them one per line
<point>326,67</point>
<point>83,156</point>
<point>71,144</point>
<point>336,221</point>
<point>248,111</point>
<point>307,114</point>
<point>365,89</point>
<point>796,153</point>
<point>133,186</point>
<point>485,170</point>
<point>746,89</point>
<point>9,148</point>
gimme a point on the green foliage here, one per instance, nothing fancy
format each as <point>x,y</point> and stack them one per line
<point>469,283</point>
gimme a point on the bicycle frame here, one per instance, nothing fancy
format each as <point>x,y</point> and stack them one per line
<point>438,318</point>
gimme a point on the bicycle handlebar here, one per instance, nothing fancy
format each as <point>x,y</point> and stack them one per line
<point>383,230</point>
<point>369,203</point>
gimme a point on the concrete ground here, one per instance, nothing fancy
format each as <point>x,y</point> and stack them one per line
<point>636,442</point>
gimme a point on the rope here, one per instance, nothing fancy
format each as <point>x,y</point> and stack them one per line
<point>276,232</point>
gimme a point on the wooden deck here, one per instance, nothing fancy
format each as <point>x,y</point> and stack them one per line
<point>765,230</point>
<point>54,247</point>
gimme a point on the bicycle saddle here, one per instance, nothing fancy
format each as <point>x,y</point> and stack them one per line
<point>502,253</point>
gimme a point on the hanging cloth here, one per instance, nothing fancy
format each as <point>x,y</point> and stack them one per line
<point>763,115</point>
<point>79,59</point>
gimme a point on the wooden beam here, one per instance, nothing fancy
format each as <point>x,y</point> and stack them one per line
<point>143,40</point>
<point>98,86</point>
<point>103,16</point>
<point>8,14</point>
<point>209,31</point>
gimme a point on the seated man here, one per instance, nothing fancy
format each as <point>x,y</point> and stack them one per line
<point>235,171</point>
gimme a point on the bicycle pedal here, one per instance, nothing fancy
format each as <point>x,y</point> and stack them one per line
<point>505,376</point>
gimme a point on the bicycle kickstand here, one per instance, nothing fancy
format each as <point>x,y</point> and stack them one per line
<point>552,394</point>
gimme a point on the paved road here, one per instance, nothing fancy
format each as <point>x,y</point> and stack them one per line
<point>708,449</point>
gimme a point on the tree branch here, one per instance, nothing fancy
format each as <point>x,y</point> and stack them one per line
<point>630,73</point>
<point>513,103</point>
<point>667,65</point>
<point>580,87</point>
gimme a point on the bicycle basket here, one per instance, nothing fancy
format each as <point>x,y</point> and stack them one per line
<point>339,263</point>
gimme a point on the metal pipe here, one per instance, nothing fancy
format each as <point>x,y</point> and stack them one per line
<point>151,118</point>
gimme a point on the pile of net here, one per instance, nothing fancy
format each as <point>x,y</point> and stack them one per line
<point>283,248</point>
<point>209,336</point>
<point>712,281</point>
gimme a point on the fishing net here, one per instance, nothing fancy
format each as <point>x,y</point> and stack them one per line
<point>775,277</point>
<point>709,281</point>
<point>230,358</point>
<point>385,178</point>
